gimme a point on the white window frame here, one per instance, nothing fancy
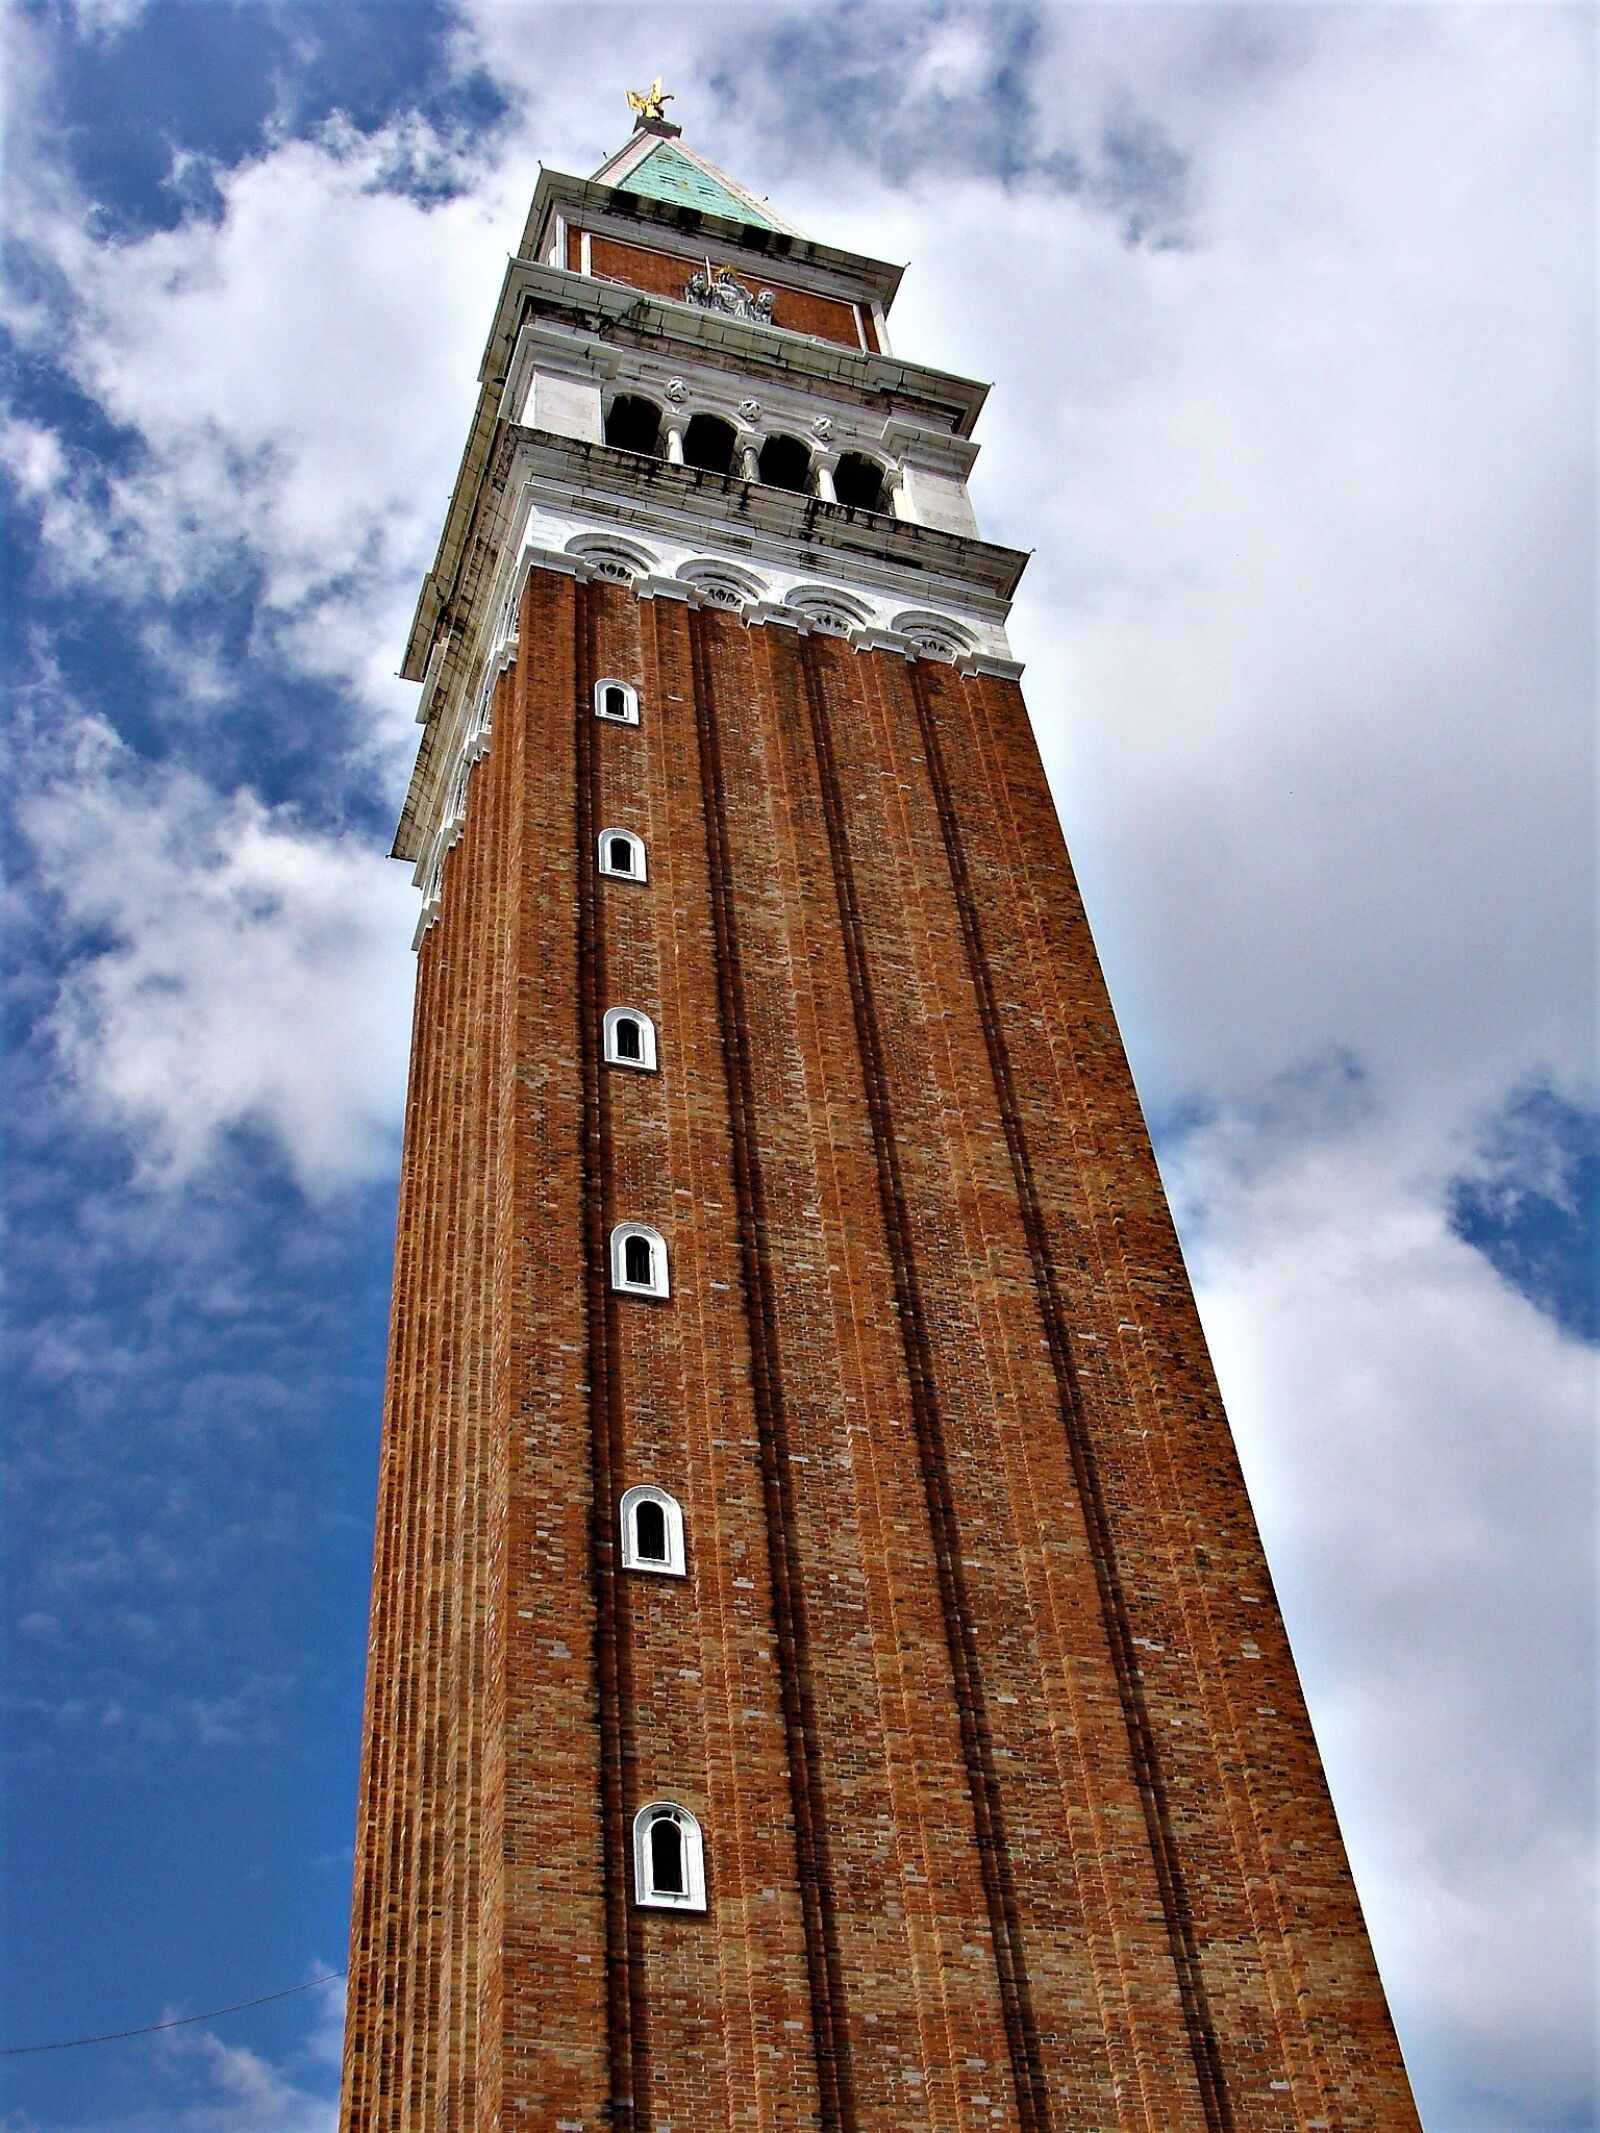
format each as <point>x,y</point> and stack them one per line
<point>646,1063</point>
<point>645,1893</point>
<point>629,715</point>
<point>662,1284</point>
<point>639,872</point>
<point>675,1564</point>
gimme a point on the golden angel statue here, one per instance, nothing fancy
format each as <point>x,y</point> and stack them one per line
<point>653,103</point>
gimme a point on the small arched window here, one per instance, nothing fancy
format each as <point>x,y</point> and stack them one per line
<point>638,1260</point>
<point>708,442</point>
<point>617,701</point>
<point>630,1038</point>
<point>633,424</point>
<point>622,855</point>
<point>861,483</point>
<point>652,1533</point>
<point>785,463</point>
<point>669,1869</point>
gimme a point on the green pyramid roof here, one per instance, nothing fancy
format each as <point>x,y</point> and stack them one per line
<point>666,173</point>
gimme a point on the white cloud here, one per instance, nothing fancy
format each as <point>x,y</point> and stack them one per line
<point>286,416</point>
<point>212,2085</point>
<point>1418,1441</point>
<point>100,21</point>
<point>240,2091</point>
<point>248,2094</point>
<point>235,970</point>
<point>1309,625</point>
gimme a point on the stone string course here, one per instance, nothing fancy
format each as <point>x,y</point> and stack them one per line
<point>977,1684</point>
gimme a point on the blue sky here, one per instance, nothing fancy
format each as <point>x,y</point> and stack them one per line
<point>1290,314</point>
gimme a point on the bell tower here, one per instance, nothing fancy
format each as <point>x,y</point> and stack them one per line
<point>823,1669</point>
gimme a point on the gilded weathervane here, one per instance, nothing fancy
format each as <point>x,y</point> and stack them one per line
<point>650,108</point>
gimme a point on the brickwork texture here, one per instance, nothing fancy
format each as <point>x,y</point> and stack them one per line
<point>976,1683</point>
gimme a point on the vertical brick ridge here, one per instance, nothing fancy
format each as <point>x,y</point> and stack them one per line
<point>916,1946</point>
<point>437,2015</point>
<point>1108,1573</point>
<point>546,2048</point>
<point>440,2001</point>
<point>508,747</point>
<point>451,2006</point>
<point>460,2003</point>
<point>1033,2100</point>
<point>629,2071</point>
<point>1285,1909</point>
<point>410,1397</point>
<point>731,2036</point>
<point>421,1390</point>
<point>413,1986</point>
<point>375,1800</point>
<point>1093,1922</point>
<point>824,1969</point>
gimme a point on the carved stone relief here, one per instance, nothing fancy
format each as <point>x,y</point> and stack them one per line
<point>723,291</point>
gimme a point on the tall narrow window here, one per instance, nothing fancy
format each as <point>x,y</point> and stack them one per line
<point>618,701</point>
<point>669,1869</point>
<point>638,1260</point>
<point>630,1038</point>
<point>666,1857</point>
<point>652,1533</point>
<point>622,855</point>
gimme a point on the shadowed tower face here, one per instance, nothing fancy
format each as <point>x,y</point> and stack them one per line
<point>823,1670</point>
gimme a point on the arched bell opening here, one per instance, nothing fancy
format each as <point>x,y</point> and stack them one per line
<point>785,463</point>
<point>861,483</point>
<point>708,443</point>
<point>633,424</point>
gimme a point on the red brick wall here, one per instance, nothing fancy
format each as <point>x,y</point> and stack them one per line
<point>977,1686</point>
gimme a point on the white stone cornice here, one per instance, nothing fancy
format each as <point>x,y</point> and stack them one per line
<point>561,531</point>
<point>987,663</point>
<point>430,680</point>
<point>918,445</point>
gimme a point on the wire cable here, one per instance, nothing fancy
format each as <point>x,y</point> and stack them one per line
<point>148,2029</point>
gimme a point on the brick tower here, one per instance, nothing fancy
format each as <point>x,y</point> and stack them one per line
<point>823,1671</point>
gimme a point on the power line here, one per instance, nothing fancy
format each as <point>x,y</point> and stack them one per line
<point>148,2029</point>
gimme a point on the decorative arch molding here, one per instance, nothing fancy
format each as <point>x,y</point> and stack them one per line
<point>722,584</point>
<point>835,614</point>
<point>937,636</point>
<point>607,557</point>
